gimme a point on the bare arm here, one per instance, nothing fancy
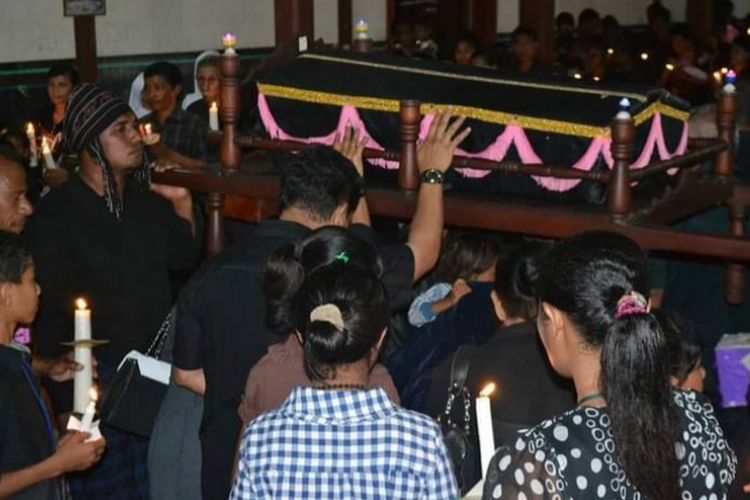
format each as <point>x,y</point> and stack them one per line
<point>351,146</point>
<point>435,152</point>
<point>195,380</point>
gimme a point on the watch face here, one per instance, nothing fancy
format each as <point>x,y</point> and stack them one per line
<point>432,177</point>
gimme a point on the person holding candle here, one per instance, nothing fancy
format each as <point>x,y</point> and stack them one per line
<point>183,136</point>
<point>632,435</point>
<point>111,237</point>
<point>207,86</point>
<point>32,461</point>
<point>61,79</point>
<point>373,448</point>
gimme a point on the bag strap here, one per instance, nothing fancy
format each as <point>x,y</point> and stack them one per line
<point>456,388</point>
<point>154,350</point>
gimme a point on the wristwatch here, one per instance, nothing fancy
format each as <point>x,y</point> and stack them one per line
<point>432,176</point>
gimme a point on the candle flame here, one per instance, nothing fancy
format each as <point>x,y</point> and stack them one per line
<point>644,56</point>
<point>229,41</point>
<point>147,127</point>
<point>577,76</point>
<point>670,67</point>
<point>45,145</point>
<point>724,70</point>
<point>487,390</point>
<point>93,395</point>
<point>30,128</point>
<point>214,106</point>
<point>610,51</point>
<point>596,79</point>
<point>81,303</point>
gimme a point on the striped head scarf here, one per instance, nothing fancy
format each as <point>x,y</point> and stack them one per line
<point>90,110</point>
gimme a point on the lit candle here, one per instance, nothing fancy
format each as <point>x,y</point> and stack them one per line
<point>624,113</point>
<point>147,128</point>
<point>362,30</point>
<point>724,70</point>
<point>83,378</point>
<point>213,116</point>
<point>644,56</point>
<point>229,41</point>
<point>729,81</point>
<point>669,66</point>
<point>49,161</point>
<point>484,427</point>
<point>577,76</point>
<point>597,79</point>
<point>31,134</point>
<point>88,415</point>
<point>717,77</point>
<point>610,51</point>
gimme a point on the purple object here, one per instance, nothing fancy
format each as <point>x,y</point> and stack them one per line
<point>734,378</point>
<point>22,336</point>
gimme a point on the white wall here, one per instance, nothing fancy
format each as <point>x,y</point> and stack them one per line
<point>376,15</point>
<point>36,29</point>
<point>628,12</point>
<point>326,20</point>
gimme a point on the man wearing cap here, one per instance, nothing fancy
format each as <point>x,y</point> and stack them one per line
<point>108,236</point>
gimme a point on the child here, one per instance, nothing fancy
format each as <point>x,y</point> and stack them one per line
<point>686,370</point>
<point>32,462</point>
<point>465,257</point>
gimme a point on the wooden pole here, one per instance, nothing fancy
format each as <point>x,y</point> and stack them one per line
<point>293,18</point>
<point>540,15</point>
<point>736,273</point>
<point>726,116</point>
<point>408,174</point>
<point>618,188</point>
<point>84,28</point>
<point>346,19</point>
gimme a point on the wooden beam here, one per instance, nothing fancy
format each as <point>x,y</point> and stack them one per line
<point>484,21</point>
<point>346,20</point>
<point>293,18</point>
<point>540,15</point>
<point>84,28</point>
<point>700,17</point>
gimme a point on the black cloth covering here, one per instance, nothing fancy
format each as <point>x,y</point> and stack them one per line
<point>559,117</point>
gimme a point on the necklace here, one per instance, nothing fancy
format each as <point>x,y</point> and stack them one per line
<point>340,387</point>
<point>590,397</point>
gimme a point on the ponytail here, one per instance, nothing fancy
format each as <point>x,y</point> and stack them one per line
<point>635,383</point>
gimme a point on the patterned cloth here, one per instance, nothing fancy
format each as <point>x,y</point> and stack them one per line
<point>183,132</point>
<point>420,311</point>
<point>343,444</point>
<point>573,456</point>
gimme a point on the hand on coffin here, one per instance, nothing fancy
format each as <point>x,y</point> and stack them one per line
<point>443,137</point>
<point>351,146</point>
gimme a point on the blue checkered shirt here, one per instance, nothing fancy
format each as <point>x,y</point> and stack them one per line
<point>343,444</point>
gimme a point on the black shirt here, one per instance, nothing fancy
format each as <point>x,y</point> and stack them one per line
<point>221,328</point>
<point>120,267</point>
<point>24,438</point>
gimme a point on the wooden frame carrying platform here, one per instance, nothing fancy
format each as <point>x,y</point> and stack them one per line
<point>248,193</point>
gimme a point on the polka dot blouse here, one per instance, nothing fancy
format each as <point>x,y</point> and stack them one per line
<point>573,456</point>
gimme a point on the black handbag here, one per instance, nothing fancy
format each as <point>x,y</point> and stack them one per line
<point>455,422</point>
<point>132,401</point>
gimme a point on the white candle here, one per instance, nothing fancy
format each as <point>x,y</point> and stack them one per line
<point>213,116</point>
<point>88,415</point>
<point>49,161</point>
<point>82,379</point>
<point>484,427</point>
<point>31,134</point>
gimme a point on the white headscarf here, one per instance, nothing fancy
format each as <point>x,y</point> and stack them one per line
<point>135,97</point>
<point>196,94</point>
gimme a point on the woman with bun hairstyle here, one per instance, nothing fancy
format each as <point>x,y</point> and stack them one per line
<point>277,373</point>
<point>631,435</point>
<point>338,438</point>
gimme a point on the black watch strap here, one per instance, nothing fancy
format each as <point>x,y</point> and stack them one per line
<point>432,176</point>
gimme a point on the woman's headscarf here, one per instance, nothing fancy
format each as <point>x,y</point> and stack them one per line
<point>89,112</point>
<point>136,88</point>
<point>196,94</point>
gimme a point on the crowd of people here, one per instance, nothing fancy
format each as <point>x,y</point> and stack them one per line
<point>316,357</point>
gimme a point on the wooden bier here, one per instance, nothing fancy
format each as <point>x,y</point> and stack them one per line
<point>501,215</point>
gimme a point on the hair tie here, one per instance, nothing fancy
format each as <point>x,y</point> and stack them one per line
<point>330,313</point>
<point>343,257</point>
<point>632,303</point>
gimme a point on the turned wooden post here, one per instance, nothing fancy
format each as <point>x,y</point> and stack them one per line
<point>726,117</point>
<point>230,107</point>
<point>408,174</point>
<point>618,188</point>
<point>735,273</point>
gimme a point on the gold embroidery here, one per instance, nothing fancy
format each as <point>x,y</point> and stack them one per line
<point>485,115</point>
